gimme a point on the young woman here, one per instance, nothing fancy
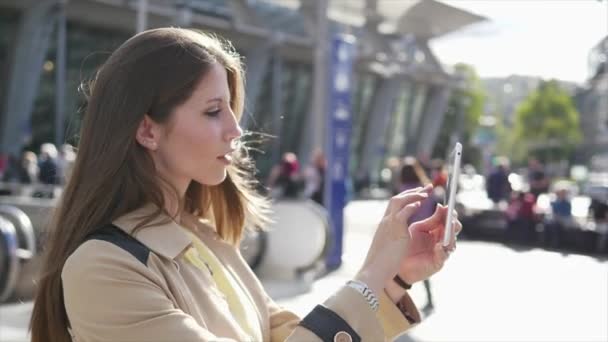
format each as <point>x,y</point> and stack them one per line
<point>144,245</point>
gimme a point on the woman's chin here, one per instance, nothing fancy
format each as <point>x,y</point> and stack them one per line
<point>213,181</point>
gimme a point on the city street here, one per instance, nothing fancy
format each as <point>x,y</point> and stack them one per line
<point>486,292</point>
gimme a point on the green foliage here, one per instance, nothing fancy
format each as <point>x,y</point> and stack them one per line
<point>547,124</point>
<point>467,103</point>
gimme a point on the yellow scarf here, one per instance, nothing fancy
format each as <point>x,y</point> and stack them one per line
<point>240,303</point>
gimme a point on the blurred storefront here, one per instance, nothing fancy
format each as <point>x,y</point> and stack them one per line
<point>592,102</point>
<point>400,88</point>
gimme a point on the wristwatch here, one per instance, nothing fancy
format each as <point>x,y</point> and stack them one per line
<point>364,290</point>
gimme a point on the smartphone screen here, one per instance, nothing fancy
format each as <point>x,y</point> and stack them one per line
<point>450,190</point>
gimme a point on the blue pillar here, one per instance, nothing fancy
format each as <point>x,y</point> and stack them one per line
<point>339,126</point>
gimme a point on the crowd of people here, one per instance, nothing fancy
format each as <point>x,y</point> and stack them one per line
<point>525,218</point>
<point>288,180</point>
<point>51,167</point>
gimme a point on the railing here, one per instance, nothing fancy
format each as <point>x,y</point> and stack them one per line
<point>17,246</point>
<point>297,242</point>
<point>36,190</point>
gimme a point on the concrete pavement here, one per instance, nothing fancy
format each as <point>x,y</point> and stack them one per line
<point>487,291</point>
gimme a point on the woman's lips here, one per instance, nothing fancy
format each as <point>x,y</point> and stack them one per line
<point>226,159</point>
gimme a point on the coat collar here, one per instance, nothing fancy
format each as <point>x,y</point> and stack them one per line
<point>162,235</point>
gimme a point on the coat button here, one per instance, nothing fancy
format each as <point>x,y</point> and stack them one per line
<point>343,336</point>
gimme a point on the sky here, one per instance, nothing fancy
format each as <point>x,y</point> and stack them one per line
<point>546,38</point>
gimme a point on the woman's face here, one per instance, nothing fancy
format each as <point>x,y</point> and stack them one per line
<point>197,141</point>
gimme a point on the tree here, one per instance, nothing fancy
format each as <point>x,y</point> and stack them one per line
<point>465,107</point>
<point>547,123</point>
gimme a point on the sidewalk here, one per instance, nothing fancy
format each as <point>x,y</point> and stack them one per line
<point>487,292</point>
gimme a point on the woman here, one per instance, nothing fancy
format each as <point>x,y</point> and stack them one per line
<point>144,245</point>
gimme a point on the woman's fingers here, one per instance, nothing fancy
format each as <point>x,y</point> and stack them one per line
<point>441,255</point>
<point>398,202</point>
<point>434,221</point>
<point>402,217</point>
<point>456,227</point>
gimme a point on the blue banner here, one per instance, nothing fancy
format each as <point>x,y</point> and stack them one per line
<point>339,126</point>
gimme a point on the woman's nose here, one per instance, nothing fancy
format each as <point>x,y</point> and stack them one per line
<point>234,131</point>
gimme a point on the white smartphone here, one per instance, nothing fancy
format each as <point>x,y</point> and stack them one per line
<point>450,191</point>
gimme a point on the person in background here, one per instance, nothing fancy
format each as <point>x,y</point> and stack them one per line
<point>392,171</point>
<point>65,162</point>
<point>412,176</point>
<point>521,217</point>
<point>598,209</point>
<point>48,165</point>
<point>561,217</point>
<point>537,177</point>
<point>24,170</point>
<point>3,164</point>
<point>285,180</point>
<point>314,177</point>
<point>144,242</point>
<point>498,186</point>
<point>29,163</point>
<point>439,175</point>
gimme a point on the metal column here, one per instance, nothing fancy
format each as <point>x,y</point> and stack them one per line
<point>32,42</point>
<point>277,104</point>
<point>375,137</point>
<point>397,133</point>
<point>257,61</point>
<point>315,125</point>
<point>60,75</point>
<point>414,117</point>
<point>433,119</point>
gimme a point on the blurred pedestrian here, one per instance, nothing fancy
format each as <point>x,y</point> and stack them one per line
<point>498,186</point>
<point>560,219</point>
<point>144,244</point>
<point>285,180</point>
<point>23,171</point>
<point>537,178</point>
<point>412,175</point>
<point>48,173</point>
<point>391,175</point>
<point>521,217</point>
<point>65,162</point>
<point>598,209</point>
<point>3,163</point>
<point>29,162</point>
<point>314,177</point>
<point>439,175</point>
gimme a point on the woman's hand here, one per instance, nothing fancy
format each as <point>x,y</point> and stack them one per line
<point>391,240</point>
<point>426,255</point>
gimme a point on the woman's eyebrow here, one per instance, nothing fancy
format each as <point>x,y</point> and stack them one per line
<point>215,99</point>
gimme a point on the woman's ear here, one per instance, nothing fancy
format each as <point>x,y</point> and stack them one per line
<point>148,133</point>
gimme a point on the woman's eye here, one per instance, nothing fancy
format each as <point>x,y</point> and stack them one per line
<point>213,113</point>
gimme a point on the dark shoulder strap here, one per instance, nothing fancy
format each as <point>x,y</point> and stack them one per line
<point>120,238</point>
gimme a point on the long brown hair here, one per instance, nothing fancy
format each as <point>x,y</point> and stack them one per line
<point>151,73</point>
